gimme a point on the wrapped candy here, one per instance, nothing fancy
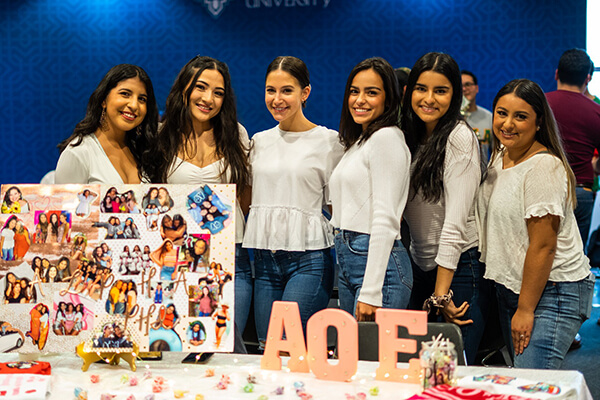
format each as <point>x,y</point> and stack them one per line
<point>80,394</point>
<point>124,378</point>
<point>94,378</point>
<point>251,379</point>
<point>131,397</point>
<point>249,388</point>
<point>279,390</point>
<point>107,396</point>
<point>209,372</point>
<point>147,374</point>
<point>149,397</point>
<point>133,381</point>
<point>374,391</point>
<point>179,393</point>
<point>199,397</point>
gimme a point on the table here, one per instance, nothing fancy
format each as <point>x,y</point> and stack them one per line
<point>67,374</point>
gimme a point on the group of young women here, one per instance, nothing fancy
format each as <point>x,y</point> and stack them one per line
<point>511,224</point>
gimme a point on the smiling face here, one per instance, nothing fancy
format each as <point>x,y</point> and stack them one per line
<point>284,96</point>
<point>366,98</point>
<point>431,98</point>
<point>45,263</point>
<point>52,272</point>
<point>206,99</point>
<point>54,219</point>
<point>169,246</point>
<point>62,264</point>
<point>43,219</point>
<point>125,105</point>
<point>14,195</point>
<point>63,219</point>
<point>515,123</point>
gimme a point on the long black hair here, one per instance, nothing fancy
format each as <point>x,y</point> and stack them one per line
<point>138,143</point>
<point>350,131</point>
<point>429,153</point>
<point>177,132</point>
<point>547,133</point>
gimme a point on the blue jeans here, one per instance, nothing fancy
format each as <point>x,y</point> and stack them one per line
<point>166,273</point>
<point>8,254</point>
<point>563,307</point>
<point>583,212</point>
<point>467,285</point>
<point>352,250</point>
<point>244,283</point>
<point>305,277</point>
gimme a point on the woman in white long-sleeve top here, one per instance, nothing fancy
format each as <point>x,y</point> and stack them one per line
<point>445,176</point>
<point>369,188</point>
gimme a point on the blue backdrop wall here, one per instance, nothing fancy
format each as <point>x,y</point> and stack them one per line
<point>53,53</point>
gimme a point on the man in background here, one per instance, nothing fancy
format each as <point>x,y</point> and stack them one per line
<point>477,117</point>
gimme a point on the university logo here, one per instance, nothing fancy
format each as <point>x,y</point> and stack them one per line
<point>214,7</point>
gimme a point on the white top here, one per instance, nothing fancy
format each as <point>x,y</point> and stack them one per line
<point>9,238</point>
<point>86,163</point>
<point>533,188</point>
<point>369,188</point>
<point>186,173</point>
<point>290,174</point>
<point>441,231</point>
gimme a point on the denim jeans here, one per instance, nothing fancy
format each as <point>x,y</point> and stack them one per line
<point>583,212</point>
<point>8,254</point>
<point>467,285</point>
<point>244,283</point>
<point>305,277</point>
<point>563,307</point>
<point>352,249</point>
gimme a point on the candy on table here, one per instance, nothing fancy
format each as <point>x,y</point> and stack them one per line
<point>251,379</point>
<point>147,374</point>
<point>209,372</point>
<point>199,397</point>
<point>249,388</point>
<point>263,397</point>
<point>124,378</point>
<point>299,384</point>
<point>361,396</point>
<point>94,378</point>
<point>80,394</point>
<point>179,393</point>
<point>304,395</point>
<point>149,397</point>
<point>133,381</point>
<point>279,390</point>
<point>374,391</point>
<point>107,396</point>
<point>159,384</point>
<point>131,397</point>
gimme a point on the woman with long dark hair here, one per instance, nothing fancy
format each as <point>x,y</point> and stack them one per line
<point>368,193</point>
<point>445,176</point>
<point>110,145</point>
<point>529,237</point>
<point>201,142</point>
<point>291,166</point>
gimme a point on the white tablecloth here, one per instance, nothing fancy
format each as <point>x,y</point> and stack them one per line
<point>67,374</point>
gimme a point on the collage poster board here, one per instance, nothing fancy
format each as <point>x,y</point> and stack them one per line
<point>111,266</point>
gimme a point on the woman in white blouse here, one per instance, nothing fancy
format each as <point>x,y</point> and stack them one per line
<point>529,238</point>
<point>291,166</point>
<point>200,142</point>
<point>369,188</point>
<point>110,144</point>
<point>445,177</point>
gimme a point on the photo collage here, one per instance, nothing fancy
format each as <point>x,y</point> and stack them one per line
<point>113,266</point>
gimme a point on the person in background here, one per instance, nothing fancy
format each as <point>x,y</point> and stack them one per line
<point>478,118</point>
<point>111,144</point>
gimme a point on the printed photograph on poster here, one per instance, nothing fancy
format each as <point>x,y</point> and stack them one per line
<point>82,272</point>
